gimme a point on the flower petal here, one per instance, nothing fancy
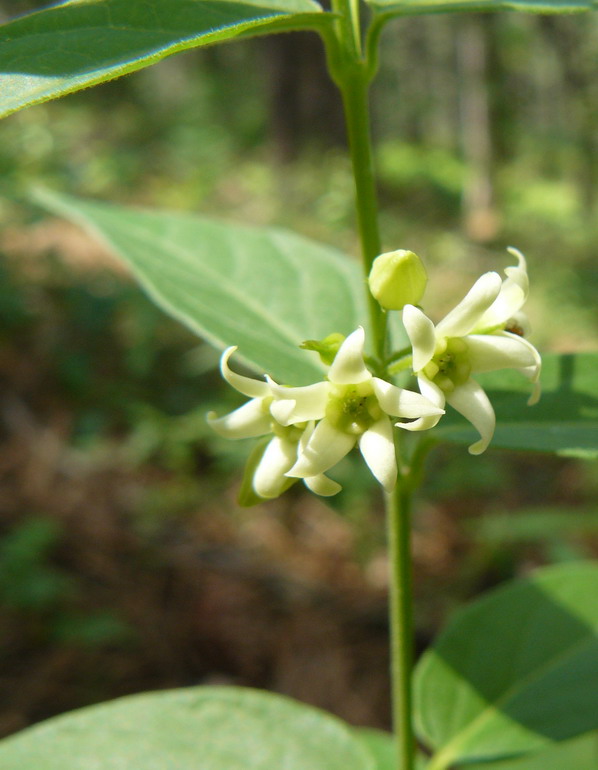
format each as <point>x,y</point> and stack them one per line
<point>512,296</point>
<point>532,372</point>
<point>326,446</point>
<point>431,391</point>
<point>378,450</point>
<point>403,403</point>
<point>536,392</point>
<point>268,479</point>
<point>422,335</point>
<point>348,367</point>
<point>466,315</point>
<point>306,435</point>
<point>322,485</point>
<point>490,352</point>
<point>520,322</point>
<point>502,350</point>
<point>245,385</point>
<point>472,402</point>
<point>435,396</point>
<point>292,405</point>
<point>247,421</point>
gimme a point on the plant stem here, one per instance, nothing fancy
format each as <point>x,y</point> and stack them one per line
<point>354,90</point>
<point>351,73</point>
<point>398,512</point>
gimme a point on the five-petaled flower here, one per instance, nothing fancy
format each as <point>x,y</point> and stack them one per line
<point>481,334</point>
<point>351,407</point>
<point>254,419</point>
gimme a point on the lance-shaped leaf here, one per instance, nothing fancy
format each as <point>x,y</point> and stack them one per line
<point>564,421</point>
<point>263,289</point>
<point>389,8</point>
<point>84,42</point>
<point>514,673</point>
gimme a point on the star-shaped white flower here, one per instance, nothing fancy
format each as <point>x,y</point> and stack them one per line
<point>254,419</point>
<point>352,407</point>
<point>481,334</point>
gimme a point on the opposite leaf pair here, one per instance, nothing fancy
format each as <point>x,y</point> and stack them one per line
<point>314,427</point>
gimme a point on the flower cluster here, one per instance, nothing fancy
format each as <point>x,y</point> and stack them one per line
<point>311,428</point>
<point>314,427</point>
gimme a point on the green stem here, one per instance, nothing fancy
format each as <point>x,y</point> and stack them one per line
<point>354,90</point>
<point>372,43</point>
<point>398,511</point>
<point>399,366</point>
<point>351,72</point>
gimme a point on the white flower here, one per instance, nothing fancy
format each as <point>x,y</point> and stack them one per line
<point>481,334</point>
<point>255,419</point>
<point>270,479</point>
<point>352,407</point>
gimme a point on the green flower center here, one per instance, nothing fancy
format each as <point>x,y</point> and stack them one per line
<point>450,366</point>
<point>353,409</point>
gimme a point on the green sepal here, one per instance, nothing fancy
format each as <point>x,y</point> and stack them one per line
<point>326,348</point>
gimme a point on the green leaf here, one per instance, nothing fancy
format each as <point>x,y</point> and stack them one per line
<point>202,728</point>
<point>382,747</point>
<point>534,525</point>
<point>515,672</point>
<point>263,289</point>
<point>578,754</point>
<point>84,42</point>
<point>389,8</point>
<point>565,421</point>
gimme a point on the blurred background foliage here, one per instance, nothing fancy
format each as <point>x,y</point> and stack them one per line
<point>125,564</point>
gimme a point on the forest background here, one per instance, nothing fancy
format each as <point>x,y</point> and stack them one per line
<point>125,563</point>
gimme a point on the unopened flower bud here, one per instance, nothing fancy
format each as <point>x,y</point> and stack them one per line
<point>398,278</point>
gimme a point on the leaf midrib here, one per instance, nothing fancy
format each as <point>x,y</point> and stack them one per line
<point>90,222</point>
